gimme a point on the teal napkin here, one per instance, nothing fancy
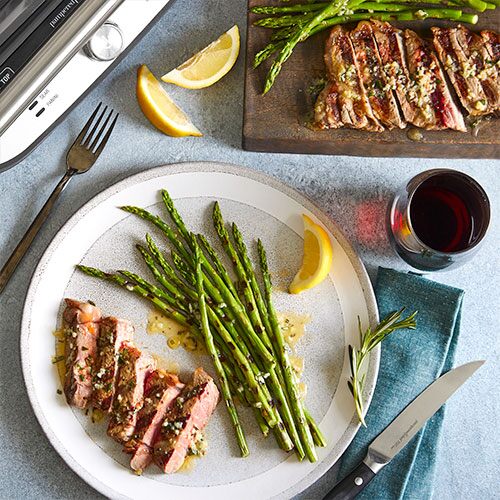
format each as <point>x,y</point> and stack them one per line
<point>410,361</point>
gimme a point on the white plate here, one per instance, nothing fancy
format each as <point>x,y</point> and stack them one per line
<point>99,234</point>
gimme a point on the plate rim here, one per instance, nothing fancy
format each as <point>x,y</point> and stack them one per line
<point>193,167</point>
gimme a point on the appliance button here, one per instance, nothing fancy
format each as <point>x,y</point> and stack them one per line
<point>106,43</point>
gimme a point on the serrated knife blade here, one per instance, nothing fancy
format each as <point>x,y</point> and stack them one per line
<point>399,432</point>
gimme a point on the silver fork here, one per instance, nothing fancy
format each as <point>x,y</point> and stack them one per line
<point>80,158</point>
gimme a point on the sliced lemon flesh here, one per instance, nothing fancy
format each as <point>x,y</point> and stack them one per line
<point>209,65</point>
<point>317,259</point>
<point>159,108</point>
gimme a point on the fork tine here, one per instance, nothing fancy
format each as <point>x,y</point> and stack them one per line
<point>106,137</point>
<point>99,134</point>
<point>85,129</point>
<point>94,128</point>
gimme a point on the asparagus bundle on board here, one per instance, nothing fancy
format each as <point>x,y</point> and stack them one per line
<point>235,320</point>
<point>295,23</point>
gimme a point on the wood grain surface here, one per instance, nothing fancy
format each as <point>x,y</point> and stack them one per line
<point>278,121</point>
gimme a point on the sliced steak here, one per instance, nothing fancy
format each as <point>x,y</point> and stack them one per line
<point>188,416</point>
<point>492,43</point>
<point>326,109</point>
<point>160,391</point>
<point>380,93</point>
<point>483,62</point>
<point>113,333</point>
<point>390,45</point>
<point>133,368</point>
<point>81,326</point>
<point>463,67</point>
<point>355,110</point>
<point>428,88</point>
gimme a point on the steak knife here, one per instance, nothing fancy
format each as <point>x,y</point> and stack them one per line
<point>399,432</point>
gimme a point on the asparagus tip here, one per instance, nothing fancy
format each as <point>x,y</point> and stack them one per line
<point>196,247</point>
<point>167,198</point>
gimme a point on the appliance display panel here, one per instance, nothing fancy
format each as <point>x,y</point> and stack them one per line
<point>74,80</point>
<point>13,13</point>
<point>25,26</point>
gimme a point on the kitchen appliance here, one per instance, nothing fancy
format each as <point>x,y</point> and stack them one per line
<point>52,52</point>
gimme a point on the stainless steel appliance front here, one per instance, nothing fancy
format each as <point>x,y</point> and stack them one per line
<point>51,53</point>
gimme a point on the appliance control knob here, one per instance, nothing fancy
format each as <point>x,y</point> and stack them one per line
<point>106,43</point>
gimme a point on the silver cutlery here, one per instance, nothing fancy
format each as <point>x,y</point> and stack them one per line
<point>81,156</point>
<point>399,432</point>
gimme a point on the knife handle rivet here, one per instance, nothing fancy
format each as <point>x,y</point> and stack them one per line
<point>358,481</point>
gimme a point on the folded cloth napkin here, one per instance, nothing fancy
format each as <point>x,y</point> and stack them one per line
<point>410,361</point>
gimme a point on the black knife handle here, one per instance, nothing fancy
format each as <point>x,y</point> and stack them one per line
<point>350,486</point>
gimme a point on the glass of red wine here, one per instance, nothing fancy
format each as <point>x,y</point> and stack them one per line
<point>438,220</point>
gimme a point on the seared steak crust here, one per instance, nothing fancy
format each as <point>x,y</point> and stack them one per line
<point>81,326</point>
<point>355,110</point>
<point>380,93</point>
<point>428,89</point>
<point>188,416</point>
<point>390,45</point>
<point>133,368</point>
<point>470,69</point>
<point>113,333</point>
<point>326,110</point>
<point>380,76</point>
<point>485,52</point>
<point>160,391</point>
<point>492,42</point>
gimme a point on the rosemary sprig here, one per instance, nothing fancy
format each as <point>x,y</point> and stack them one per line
<point>368,341</point>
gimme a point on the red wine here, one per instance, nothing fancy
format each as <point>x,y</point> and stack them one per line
<point>442,217</point>
<point>438,219</point>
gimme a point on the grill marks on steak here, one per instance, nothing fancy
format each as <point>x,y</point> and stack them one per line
<point>184,420</point>
<point>160,391</point>
<point>428,86</point>
<point>488,67</point>
<point>133,368</point>
<point>81,325</point>
<point>391,49</point>
<point>492,43</point>
<point>113,332</point>
<point>377,67</point>
<point>326,110</point>
<point>355,110</point>
<point>152,413</point>
<point>470,69</point>
<point>380,94</point>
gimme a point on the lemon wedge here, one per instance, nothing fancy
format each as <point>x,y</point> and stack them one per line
<point>317,258</point>
<point>159,109</point>
<point>209,65</point>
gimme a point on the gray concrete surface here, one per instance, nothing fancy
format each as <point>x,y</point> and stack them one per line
<point>354,191</point>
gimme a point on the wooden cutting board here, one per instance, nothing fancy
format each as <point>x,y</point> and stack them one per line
<point>277,121</point>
